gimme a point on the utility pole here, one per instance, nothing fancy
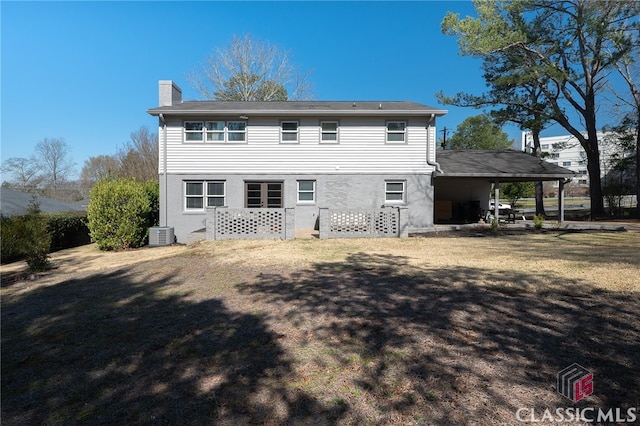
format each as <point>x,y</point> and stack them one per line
<point>443,145</point>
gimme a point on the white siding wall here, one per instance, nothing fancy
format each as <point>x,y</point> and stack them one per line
<point>362,148</point>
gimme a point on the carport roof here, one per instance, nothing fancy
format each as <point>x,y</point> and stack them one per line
<point>501,165</point>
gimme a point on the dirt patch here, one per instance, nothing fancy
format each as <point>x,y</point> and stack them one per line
<point>402,331</point>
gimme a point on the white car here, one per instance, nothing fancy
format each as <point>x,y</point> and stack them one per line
<point>500,206</point>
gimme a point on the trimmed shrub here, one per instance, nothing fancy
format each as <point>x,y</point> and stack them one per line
<point>9,237</point>
<point>68,230</point>
<point>153,193</point>
<point>118,213</point>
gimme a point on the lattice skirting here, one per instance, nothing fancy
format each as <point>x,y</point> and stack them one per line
<point>364,223</point>
<point>250,224</point>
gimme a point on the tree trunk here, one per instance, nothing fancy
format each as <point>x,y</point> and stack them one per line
<point>595,183</point>
<point>638,170</point>
<point>537,151</point>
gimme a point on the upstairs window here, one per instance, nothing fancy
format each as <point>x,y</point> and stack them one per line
<point>236,131</point>
<point>329,132</point>
<point>193,131</point>
<point>566,163</point>
<point>396,131</point>
<point>215,131</point>
<point>289,132</point>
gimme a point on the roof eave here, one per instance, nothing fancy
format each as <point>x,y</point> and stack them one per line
<point>540,177</point>
<point>299,113</point>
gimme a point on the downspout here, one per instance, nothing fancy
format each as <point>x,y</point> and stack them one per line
<point>165,191</point>
<point>429,162</point>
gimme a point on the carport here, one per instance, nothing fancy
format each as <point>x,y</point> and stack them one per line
<point>462,188</point>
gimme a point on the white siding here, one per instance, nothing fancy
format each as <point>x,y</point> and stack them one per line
<point>362,148</point>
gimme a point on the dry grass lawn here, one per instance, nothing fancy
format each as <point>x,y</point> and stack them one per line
<point>440,330</point>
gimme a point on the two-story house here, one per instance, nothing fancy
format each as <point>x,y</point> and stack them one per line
<point>296,155</point>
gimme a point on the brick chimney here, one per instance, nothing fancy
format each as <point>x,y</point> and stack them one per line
<point>170,93</point>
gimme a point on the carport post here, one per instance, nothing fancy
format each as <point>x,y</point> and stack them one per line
<point>561,200</point>
<point>496,199</point>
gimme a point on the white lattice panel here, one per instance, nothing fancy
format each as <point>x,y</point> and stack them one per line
<point>366,223</point>
<point>250,223</point>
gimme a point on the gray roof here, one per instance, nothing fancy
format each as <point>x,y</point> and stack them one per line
<point>504,165</point>
<point>299,108</point>
<point>16,203</point>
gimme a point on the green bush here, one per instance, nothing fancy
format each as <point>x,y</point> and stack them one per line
<point>67,229</point>
<point>26,237</point>
<point>119,213</point>
<point>9,237</point>
<point>538,221</point>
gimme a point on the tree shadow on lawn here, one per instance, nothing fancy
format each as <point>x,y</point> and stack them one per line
<point>126,348</point>
<point>454,345</point>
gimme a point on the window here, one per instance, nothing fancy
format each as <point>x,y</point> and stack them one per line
<point>394,192</point>
<point>396,131</point>
<point>329,132</point>
<point>193,131</point>
<point>544,146</point>
<point>582,181</point>
<point>566,163</point>
<point>196,192</point>
<point>194,196</point>
<point>555,155</point>
<point>582,172</point>
<point>289,131</point>
<point>215,131</point>
<point>215,194</point>
<point>236,131</point>
<point>306,191</point>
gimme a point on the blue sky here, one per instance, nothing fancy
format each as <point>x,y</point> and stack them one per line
<point>88,71</point>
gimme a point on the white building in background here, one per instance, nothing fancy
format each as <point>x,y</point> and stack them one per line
<point>566,151</point>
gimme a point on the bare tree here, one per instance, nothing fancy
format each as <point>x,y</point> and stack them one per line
<point>24,171</point>
<point>628,131</point>
<point>96,168</point>
<point>250,70</point>
<point>139,157</point>
<point>53,156</point>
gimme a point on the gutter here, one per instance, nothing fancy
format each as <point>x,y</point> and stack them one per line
<point>300,113</point>
<point>434,163</point>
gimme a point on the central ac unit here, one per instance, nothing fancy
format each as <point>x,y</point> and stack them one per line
<point>161,236</point>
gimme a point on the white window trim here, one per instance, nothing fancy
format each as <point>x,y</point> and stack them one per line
<point>337,132</point>
<point>228,132</point>
<point>395,132</point>
<point>299,191</point>
<point>296,132</point>
<point>186,197</point>
<point>186,132</point>
<point>404,192</point>
<point>205,196</point>
<point>203,132</point>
